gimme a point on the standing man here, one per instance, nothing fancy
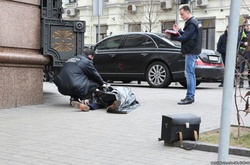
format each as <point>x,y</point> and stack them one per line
<point>222,47</point>
<point>78,78</point>
<point>191,43</point>
<point>242,56</point>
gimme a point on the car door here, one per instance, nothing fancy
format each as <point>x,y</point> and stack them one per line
<point>105,60</point>
<point>171,54</point>
<point>133,56</point>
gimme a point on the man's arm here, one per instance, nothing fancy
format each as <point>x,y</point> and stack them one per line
<point>93,74</point>
<point>185,35</point>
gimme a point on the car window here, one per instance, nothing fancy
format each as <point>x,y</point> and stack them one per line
<point>164,42</point>
<point>110,43</point>
<point>161,43</point>
<point>139,41</point>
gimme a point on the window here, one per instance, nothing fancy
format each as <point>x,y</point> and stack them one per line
<point>208,35</point>
<point>162,44</point>
<point>134,28</point>
<point>167,25</point>
<point>139,41</point>
<point>111,43</point>
<point>103,32</point>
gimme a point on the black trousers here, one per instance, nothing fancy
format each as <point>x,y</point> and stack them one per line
<point>75,95</point>
<point>223,55</point>
<point>244,63</point>
<point>92,87</point>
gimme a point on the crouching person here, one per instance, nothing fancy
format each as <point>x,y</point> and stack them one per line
<point>78,79</point>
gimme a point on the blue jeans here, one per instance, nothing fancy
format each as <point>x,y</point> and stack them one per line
<point>190,61</point>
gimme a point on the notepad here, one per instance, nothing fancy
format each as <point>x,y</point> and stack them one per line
<point>172,32</point>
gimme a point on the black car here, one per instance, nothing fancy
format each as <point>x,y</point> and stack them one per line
<point>151,57</point>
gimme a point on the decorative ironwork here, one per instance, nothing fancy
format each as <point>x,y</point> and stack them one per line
<point>64,42</point>
<point>60,39</point>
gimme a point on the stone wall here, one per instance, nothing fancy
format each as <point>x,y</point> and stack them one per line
<point>21,63</point>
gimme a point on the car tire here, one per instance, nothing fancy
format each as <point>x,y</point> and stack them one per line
<point>184,84</point>
<point>158,75</point>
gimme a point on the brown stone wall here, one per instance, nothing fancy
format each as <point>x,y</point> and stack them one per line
<point>20,24</point>
<point>21,63</point>
<point>22,86</point>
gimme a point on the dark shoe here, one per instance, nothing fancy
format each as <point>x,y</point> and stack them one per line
<point>221,85</point>
<point>114,107</point>
<point>186,101</point>
<point>248,87</point>
<point>241,86</point>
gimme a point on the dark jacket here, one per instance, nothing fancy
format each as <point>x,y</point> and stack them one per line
<point>243,35</point>
<point>191,37</point>
<point>222,43</point>
<point>77,76</point>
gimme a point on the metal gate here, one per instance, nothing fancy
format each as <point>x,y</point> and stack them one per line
<point>60,39</point>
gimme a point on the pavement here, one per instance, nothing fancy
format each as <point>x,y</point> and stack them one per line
<point>54,133</point>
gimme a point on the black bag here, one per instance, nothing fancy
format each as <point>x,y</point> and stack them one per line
<point>180,127</point>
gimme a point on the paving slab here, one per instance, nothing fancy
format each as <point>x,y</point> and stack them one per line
<point>54,133</point>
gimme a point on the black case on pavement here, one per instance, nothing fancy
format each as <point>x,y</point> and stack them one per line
<point>173,124</point>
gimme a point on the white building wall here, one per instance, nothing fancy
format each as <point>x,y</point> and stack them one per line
<point>116,17</point>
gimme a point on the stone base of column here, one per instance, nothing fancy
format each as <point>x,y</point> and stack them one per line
<point>21,81</point>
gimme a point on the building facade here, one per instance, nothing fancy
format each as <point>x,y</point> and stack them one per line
<point>119,16</point>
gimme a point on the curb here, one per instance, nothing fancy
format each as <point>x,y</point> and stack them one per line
<point>209,147</point>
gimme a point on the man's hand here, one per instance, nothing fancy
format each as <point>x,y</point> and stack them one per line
<point>175,27</point>
<point>245,43</point>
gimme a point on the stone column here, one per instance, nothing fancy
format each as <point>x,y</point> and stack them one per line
<point>21,63</point>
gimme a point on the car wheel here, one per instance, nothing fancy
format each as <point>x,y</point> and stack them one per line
<point>184,84</point>
<point>158,75</point>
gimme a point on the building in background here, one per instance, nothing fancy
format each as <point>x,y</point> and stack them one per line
<point>119,16</point>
